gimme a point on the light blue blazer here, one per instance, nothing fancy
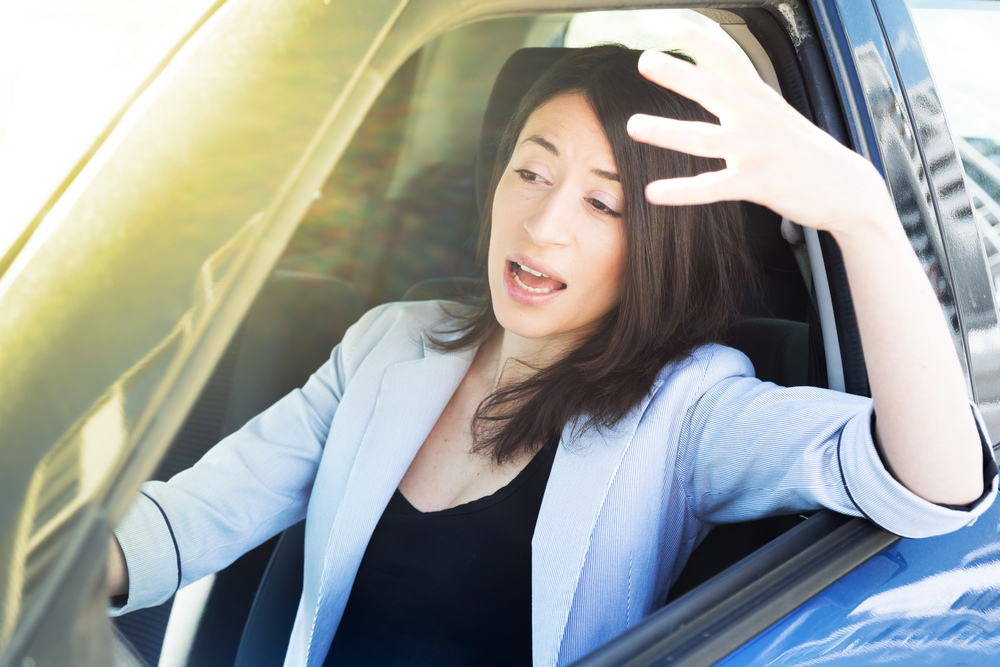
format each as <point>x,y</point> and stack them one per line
<point>622,509</point>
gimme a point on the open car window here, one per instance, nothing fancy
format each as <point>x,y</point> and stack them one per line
<point>399,208</point>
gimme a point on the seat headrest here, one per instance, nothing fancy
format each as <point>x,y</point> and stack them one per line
<point>520,71</point>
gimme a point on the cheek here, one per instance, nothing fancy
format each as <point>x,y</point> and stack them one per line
<point>500,215</point>
<point>608,264</point>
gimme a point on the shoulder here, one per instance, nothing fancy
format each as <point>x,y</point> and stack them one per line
<point>395,331</point>
<point>683,382</point>
<point>704,367</point>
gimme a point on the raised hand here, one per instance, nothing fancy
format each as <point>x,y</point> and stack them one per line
<point>774,156</point>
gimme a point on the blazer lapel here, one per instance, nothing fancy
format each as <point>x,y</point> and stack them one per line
<point>411,397</point>
<point>578,485</point>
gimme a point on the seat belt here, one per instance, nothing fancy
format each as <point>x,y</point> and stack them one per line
<point>792,233</point>
<point>816,369</point>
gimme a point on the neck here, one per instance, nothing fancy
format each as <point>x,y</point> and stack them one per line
<point>507,357</point>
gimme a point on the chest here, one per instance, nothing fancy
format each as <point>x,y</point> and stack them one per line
<point>601,513</point>
<point>445,471</point>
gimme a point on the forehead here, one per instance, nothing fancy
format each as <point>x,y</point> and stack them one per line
<point>566,117</point>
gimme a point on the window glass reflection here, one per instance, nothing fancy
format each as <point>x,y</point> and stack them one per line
<point>961,41</point>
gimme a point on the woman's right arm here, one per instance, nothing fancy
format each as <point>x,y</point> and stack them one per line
<point>247,488</point>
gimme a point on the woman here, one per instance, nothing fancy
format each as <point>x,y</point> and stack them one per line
<point>523,482</point>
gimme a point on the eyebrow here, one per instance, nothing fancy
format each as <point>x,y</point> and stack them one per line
<point>548,145</point>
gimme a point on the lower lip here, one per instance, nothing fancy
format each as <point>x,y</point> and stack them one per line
<point>523,296</point>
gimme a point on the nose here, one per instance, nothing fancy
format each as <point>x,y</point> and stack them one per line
<point>551,224</point>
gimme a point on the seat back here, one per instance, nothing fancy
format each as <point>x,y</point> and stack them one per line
<point>269,624</point>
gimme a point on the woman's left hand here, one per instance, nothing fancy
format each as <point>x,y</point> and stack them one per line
<point>774,156</point>
<point>777,158</point>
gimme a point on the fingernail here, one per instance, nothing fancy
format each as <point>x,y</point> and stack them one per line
<point>652,193</point>
<point>649,57</point>
<point>636,124</point>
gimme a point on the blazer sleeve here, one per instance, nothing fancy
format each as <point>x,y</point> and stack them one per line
<point>247,488</point>
<point>751,449</point>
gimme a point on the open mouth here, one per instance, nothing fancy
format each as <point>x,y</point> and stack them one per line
<point>533,281</point>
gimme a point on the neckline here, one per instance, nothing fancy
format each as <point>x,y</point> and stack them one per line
<point>545,453</point>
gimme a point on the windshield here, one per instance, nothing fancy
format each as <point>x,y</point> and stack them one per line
<point>67,70</point>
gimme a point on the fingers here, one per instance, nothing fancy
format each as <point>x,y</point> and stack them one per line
<point>723,76</point>
<point>714,52</point>
<point>755,135</point>
<point>704,139</point>
<point>704,188</point>
<point>700,85</point>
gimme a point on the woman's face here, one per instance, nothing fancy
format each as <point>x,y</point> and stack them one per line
<point>556,212</point>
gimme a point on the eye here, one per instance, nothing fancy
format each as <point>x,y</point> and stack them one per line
<point>529,176</point>
<point>603,208</point>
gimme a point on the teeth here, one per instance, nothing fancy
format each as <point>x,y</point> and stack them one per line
<point>533,290</point>
<point>532,271</point>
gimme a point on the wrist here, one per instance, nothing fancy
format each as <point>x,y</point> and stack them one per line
<point>117,569</point>
<point>875,223</point>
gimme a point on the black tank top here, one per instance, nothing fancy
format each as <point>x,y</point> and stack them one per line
<point>447,588</point>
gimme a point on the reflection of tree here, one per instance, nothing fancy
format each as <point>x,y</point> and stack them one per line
<point>981,161</point>
<point>932,606</point>
<point>904,168</point>
<point>384,241</point>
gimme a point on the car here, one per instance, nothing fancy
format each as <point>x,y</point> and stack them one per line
<point>264,172</point>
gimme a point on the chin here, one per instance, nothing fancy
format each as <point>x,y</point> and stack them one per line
<point>524,324</point>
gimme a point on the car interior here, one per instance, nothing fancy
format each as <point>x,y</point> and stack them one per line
<point>397,220</point>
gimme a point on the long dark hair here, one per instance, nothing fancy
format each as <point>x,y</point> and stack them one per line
<point>685,270</point>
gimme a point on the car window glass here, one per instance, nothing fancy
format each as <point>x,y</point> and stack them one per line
<point>113,311</point>
<point>961,41</point>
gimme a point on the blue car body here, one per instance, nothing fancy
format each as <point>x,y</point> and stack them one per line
<point>934,601</point>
